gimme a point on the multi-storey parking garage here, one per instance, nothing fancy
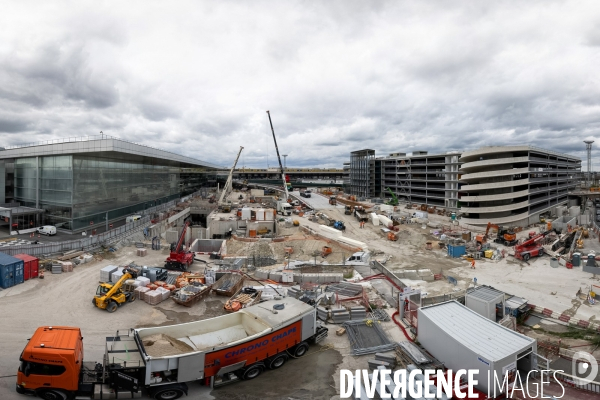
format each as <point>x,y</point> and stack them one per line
<point>514,184</point>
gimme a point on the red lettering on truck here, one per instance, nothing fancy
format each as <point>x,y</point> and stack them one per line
<point>255,350</point>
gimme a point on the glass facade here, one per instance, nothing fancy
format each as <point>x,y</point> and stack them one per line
<point>77,190</point>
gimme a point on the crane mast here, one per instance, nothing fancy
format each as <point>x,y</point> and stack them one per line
<point>279,158</point>
<point>229,178</point>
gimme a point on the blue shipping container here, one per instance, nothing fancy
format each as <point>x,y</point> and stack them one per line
<point>11,271</point>
<point>19,278</point>
<point>456,251</point>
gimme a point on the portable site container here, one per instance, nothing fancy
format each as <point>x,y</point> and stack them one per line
<point>456,251</point>
<point>30,265</point>
<point>11,271</point>
<point>462,339</point>
<point>487,302</point>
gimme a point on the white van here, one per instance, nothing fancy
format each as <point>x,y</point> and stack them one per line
<point>47,230</point>
<point>133,218</point>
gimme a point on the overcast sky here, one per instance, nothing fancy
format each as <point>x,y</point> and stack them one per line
<point>196,77</point>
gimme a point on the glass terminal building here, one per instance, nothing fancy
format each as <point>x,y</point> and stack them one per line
<point>73,183</point>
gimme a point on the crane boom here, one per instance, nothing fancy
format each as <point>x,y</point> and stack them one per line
<point>279,158</point>
<point>229,178</point>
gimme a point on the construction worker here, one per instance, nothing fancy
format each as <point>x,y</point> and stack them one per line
<point>473,264</point>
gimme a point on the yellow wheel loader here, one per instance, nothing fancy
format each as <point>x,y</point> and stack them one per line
<point>111,296</point>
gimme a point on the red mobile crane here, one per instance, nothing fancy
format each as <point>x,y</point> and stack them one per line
<point>531,247</point>
<point>179,259</point>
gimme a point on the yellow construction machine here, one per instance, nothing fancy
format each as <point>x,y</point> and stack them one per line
<point>111,296</point>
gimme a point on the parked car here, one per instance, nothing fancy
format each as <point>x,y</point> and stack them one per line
<point>133,218</point>
<point>47,230</point>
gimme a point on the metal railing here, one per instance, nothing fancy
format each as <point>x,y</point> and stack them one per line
<point>90,138</point>
<point>578,383</point>
<point>93,242</point>
<point>381,268</point>
<point>84,244</point>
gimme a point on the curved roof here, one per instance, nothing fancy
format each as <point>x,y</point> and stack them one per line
<point>472,155</point>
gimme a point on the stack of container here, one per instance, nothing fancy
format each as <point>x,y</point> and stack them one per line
<point>30,266</point>
<point>143,281</point>
<point>67,266</point>
<point>166,293</point>
<point>106,273</point>
<point>56,268</point>
<point>140,292</point>
<point>11,271</point>
<point>115,276</point>
<point>153,297</point>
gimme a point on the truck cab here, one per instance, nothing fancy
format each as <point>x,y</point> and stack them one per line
<point>284,208</point>
<point>359,258</point>
<point>51,362</point>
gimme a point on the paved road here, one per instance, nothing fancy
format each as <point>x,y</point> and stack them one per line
<point>316,201</point>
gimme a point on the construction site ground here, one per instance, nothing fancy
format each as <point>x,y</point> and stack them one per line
<point>66,299</point>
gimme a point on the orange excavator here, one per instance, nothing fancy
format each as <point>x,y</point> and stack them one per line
<point>505,236</point>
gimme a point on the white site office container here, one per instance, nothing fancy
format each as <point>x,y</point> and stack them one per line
<point>462,339</point>
<point>484,301</point>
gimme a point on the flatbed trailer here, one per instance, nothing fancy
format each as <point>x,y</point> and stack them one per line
<point>161,360</point>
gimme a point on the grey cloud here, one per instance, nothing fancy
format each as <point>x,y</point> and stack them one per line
<point>157,111</point>
<point>13,126</point>
<point>337,76</point>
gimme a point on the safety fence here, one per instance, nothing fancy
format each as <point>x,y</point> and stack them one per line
<point>84,244</point>
<point>576,382</point>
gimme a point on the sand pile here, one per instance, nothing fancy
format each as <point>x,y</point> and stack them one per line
<point>161,345</point>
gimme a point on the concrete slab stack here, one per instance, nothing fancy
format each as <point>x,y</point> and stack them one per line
<point>340,315</point>
<point>294,291</point>
<point>411,274</point>
<point>142,252</point>
<point>56,268</point>
<point>374,364</point>
<point>388,358</point>
<point>106,272</point>
<point>261,274</point>
<point>426,275</point>
<point>322,313</point>
<point>275,276</point>
<point>357,313</point>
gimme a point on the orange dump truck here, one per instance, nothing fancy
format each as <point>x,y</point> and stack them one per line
<point>161,360</point>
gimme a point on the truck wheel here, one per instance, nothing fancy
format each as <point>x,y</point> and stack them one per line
<point>132,298</point>
<point>111,307</point>
<point>526,257</point>
<point>94,301</point>
<point>507,243</point>
<point>541,252</point>
<point>52,394</point>
<point>252,372</point>
<point>169,394</point>
<point>300,350</point>
<point>277,361</point>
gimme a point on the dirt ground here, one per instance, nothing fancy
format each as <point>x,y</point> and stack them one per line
<point>65,299</point>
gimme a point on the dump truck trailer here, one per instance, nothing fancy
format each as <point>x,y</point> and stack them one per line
<point>160,360</point>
